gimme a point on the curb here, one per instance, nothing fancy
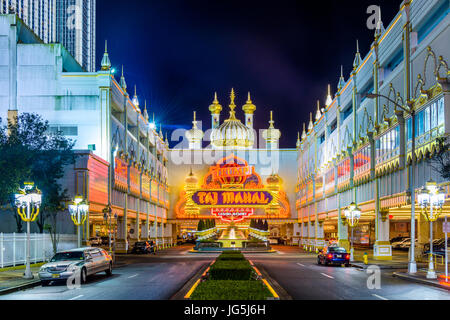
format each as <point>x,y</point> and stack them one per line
<point>20,287</point>
<point>189,285</point>
<point>421,281</point>
<point>282,294</point>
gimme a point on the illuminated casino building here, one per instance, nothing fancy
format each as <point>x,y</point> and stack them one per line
<point>358,148</point>
<point>233,179</point>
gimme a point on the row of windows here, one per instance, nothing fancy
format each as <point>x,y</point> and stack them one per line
<point>64,130</point>
<point>426,120</point>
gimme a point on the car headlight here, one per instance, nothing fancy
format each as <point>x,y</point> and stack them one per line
<point>72,268</point>
<point>43,269</point>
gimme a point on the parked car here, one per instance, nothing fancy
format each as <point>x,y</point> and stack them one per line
<point>333,255</point>
<point>141,247</point>
<point>81,262</point>
<point>406,244</point>
<point>398,239</point>
<point>436,244</point>
<point>95,241</point>
<point>396,245</point>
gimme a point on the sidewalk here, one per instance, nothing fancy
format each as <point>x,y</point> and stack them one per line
<point>420,277</point>
<point>11,279</point>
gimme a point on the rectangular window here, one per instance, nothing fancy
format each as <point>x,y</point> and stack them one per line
<point>441,114</point>
<point>434,117</point>
<point>64,130</point>
<point>427,119</point>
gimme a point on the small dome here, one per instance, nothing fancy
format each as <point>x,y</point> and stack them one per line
<point>195,134</point>
<point>249,107</point>
<point>215,107</point>
<point>191,178</point>
<point>271,134</point>
<point>274,179</point>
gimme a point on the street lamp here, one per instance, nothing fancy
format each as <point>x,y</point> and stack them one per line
<point>107,213</point>
<point>78,212</point>
<point>352,215</point>
<point>27,202</point>
<point>412,265</point>
<point>431,197</point>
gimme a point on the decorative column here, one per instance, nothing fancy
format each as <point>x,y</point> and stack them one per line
<point>320,236</point>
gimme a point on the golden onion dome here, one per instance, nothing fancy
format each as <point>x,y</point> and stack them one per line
<point>249,107</point>
<point>274,179</point>
<point>191,178</point>
<point>215,107</point>
<point>232,133</point>
<point>195,134</point>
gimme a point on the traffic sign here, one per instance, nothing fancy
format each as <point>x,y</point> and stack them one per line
<point>446,227</point>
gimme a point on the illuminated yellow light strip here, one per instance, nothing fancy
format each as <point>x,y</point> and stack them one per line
<point>390,28</point>
<point>188,295</point>
<point>275,295</point>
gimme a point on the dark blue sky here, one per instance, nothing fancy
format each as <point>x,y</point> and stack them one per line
<point>179,52</point>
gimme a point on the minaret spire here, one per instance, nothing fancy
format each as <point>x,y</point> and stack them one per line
<point>123,83</point>
<point>106,63</point>
<point>232,105</point>
<point>357,60</point>
<point>318,113</point>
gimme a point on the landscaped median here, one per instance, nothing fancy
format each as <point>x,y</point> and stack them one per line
<point>231,277</point>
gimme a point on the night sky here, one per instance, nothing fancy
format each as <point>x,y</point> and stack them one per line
<point>179,52</point>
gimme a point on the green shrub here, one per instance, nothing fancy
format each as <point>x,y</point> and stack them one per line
<point>231,290</point>
<point>230,252</point>
<point>237,256</point>
<point>231,270</point>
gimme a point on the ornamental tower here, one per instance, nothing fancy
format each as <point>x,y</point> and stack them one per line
<point>272,135</point>
<point>215,108</point>
<point>249,109</point>
<point>195,135</point>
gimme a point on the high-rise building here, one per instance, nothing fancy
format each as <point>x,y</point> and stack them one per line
<point>70,22</point>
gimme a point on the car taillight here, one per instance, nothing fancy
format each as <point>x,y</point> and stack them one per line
<point>347,257</point>
<point>330,256</point>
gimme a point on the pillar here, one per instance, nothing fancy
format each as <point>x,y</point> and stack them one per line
<point>320,237</point>
<point>342,228</point>
<point>311,236</point>
<point>382,249</point>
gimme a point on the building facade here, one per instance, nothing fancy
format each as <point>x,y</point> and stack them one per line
<point>121,166</point>
<point>358,149</point>
<point>233,173</point>
<point>70,22</point>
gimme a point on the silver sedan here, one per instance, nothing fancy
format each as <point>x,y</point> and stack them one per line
<point>77,263</point>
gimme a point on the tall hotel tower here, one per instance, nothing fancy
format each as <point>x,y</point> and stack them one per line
<point>70,22</point>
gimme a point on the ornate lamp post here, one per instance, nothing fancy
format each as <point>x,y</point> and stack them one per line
<point>412,265</point>
<point>431,198</point>
<point>27,202</point>
<point>352,215</point>
<point>78,212</point>
<point>107,216</point>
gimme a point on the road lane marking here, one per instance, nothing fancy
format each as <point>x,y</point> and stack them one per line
<point>302,265</point>
<point>379,297</point>
<point>324,274</point>
<point>75,298</point>
<point>132,276</point>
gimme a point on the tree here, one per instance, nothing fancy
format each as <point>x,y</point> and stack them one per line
<point>200,226</point>
<point>440,162</point>
<point>30,153</point>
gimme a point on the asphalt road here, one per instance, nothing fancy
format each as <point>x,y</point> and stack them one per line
<point>148,277</point>
<point>303,279</point>
<point>144,277</point>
